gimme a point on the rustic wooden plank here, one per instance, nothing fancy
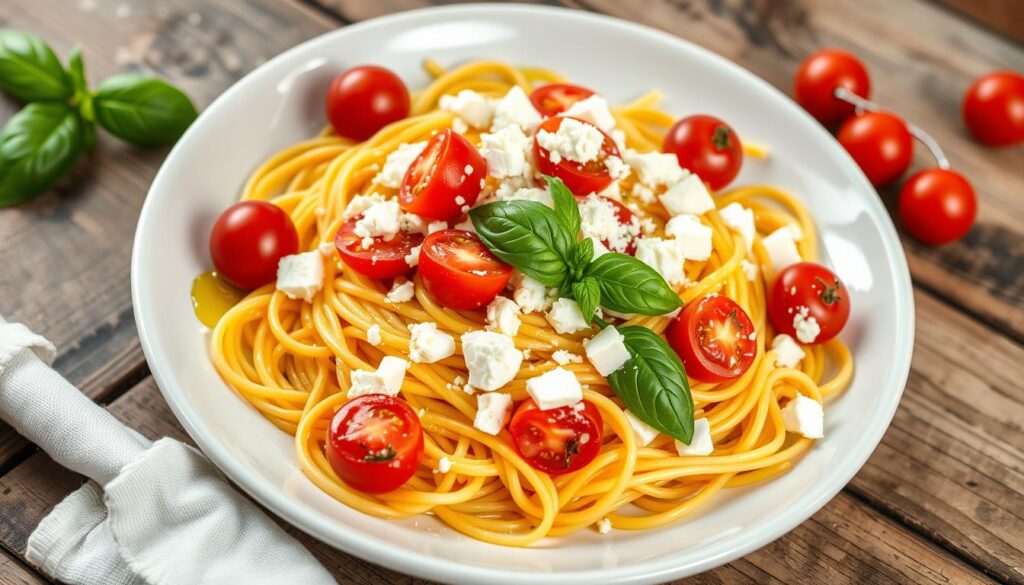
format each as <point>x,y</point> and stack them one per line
<point>845,542</point>
<point>82,232</point>
<point>1005,16</point>
<point>14,572</point>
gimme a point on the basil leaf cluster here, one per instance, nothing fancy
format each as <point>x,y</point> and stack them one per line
<point>41,143</point>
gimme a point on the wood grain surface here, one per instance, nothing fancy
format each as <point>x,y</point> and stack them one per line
<point>939,501</point>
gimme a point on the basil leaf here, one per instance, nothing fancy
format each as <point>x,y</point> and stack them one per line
<point>38,146</point>
<point>630,286</point>
<point>582,254</point>
<point>29,69</point>
<point>566,209</point>
<point>653,384</point>
<point>527,235</point>
<point>142,110</point>
<point>76,71</point>
<point>588,296</point>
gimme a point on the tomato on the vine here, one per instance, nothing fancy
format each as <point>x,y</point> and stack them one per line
<point>459,271</point>
<point>819,76</point>
<point>994,108</point>
<point>381,259</point>
<point>937,206</point>
<point>714,338</point>
<point>706,146</point>
<point>374,443</point>
<point>249,239</point>
<point>445,179</point>
<point>805,291</point>
<point>880,143</point>
<point>364,99</point>
<point>559,440</point>
<point>580,178</point>
<point>554,98</point>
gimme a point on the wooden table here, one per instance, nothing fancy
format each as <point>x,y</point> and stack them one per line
<point>941,500</point>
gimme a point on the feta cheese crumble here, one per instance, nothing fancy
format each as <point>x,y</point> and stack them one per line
<point>539,195</point>
<point>471,107</point>
<point>604,526</point>
<point>444,464</point>
<point>413,257</point>
<point>382,219</point>
<point>805,416</point>
<point>655,169</point>
<point>599,219</point>
<point>701,444</point>
<point>436,226</point>
<point>491,412</point>
<point>574,140</point>
<point>361,203</point>
<point>398,162</point>
<point>565,316</point>
<point>428,345</point>
<point>373,335</point>
<point>507,152</point>
<point>593,109</point>
<point>606,351</point>
<point>691,235</point>
<point>503,315</point>
<point>781,249</point>
<point>529,294</point>
<point>787,353</point>
<point>554,389</point>
<point>664,256</point>
<point>564,358</point>
<point>643,432</point>
<point>515,109</point>
<point>387,379</point>
<point>741,220</point>
<point>401,293</point>
<point>599,248</point>
<point>491,358</point>
<point>688,196</point>
<point>300,276</point>
<point>749,269</point>
<point>806,328</point>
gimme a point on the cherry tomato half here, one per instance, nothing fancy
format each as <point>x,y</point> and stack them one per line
<point>715,339</point>
<point>581,179</point>
<point>810,286</point>
<point>248,240</point>
<point>382,259</point>
<point>706,146</point>
<point>374,443</point>
<point>937,206</point>
<point>556,441</point>
<point>880,144</point>
<point>554,98</point>
<point>818,77</point>
<point>364,99</point>
<point>444,178</point>
<point>628,224</point>
<point>994,108</point>
<point>459,271</point>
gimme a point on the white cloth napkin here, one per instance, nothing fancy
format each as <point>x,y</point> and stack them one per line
<point>163,515</point>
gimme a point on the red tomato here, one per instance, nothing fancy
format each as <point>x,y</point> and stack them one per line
<point>880,143</point>
<point>249,239</point>
<point>937,206</point>
<point>994,108</point>
<point>446,176</point>
<point>581,179</point>
<point>556,441</point>
<point>706,146</point>
<point>714,338</point>
<point>814,287</point>
<point>818,77</point>
<point>554,98</point>
<point>374,443</point>
<point>626,218</point>
<point>365,99</point>
<point>383,259</point>
<point>459,271</point>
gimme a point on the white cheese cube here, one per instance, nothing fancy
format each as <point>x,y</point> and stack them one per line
<point>688,196</point>
<point>506,152</point>
<point>806,328</point>
<point>530,295</point>
<point>565,316</point>
<point>398,162</point>
<point>787,353</point>
<point>472,108</point>
<point>491,358</point>
<point>503,315</point>
<point>436,226</point>
<point>401,293</point>
<point>381,220</point>
<point>664,256</point>
<point>515,109</point>
<point>575,141</point>
<point>491,412</point>
<point>300,276</point>
<point>655,169</point>
<point>741,220</point>
<point>554,389</point>
<point>361,203</point>
<point>692,236</point>
<point>563,357</point>
<point>607,351</point>
<point>701,444</point>
<point>373,335</point>
<point>387,379</point>
<point>643,432</point>
<point>599,219</point>
<point>805,416</point>
<point>781,248</point>
<point>428,345</point>
<point>412,223</point>
<point>593,109</point>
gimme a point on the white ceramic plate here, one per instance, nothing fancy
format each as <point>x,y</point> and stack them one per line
<point>281,103</point>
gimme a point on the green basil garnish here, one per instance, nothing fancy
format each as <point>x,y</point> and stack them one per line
<point>527,235</point>
<point>142,110</point>
<point>38,146</point>
<point>29,69</point>
<point>630,286</point>
<point>588,296</point>
<point>566,209</point>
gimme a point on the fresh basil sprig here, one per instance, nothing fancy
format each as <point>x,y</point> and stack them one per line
<point>527,235</point>
<point>630,286</point>
<point>41,143</point>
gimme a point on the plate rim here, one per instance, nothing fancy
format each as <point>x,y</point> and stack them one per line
<point>377,550</point>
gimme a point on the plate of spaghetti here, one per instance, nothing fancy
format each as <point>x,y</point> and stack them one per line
<point>460,297</point>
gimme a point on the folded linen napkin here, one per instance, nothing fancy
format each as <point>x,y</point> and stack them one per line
<point>155,513</point>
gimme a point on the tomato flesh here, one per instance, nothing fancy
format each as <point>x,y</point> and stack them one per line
<point>880,144</point>
<point>714,338</point>
<point>581,179</point>
<point>937,206</point>
<point>819,76</point>
<point>374,443</point>
<point>459,271</point>
<point>554,98</point>
<point>559,440</point>
<point>249,239</point>
<point>444,179</point>
<point>810,287</point>
<point>382,259</point>
<point>707,147</point>
<point>364,99</point>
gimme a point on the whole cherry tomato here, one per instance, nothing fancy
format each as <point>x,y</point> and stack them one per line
<point>445,179</point>
<point>937,206</point>
<point>559,440</point>
<point>818,77</point>
<point>805,295</point>
<point>580,178</point>
<point>459,271</point>
<point>374,443</point>
<point>994,108</point>
<point>554,98</point>
<point>714,338</point>
<point>249,239</point>
<point>706,146</point>
<point>381,259</point>
<point>880,144</point>
<point>364,99</point>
